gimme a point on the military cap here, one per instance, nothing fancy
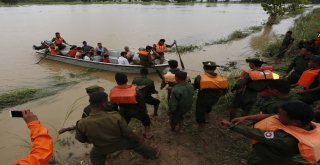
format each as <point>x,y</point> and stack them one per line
<point>210,63</point>
<point>94,88</point>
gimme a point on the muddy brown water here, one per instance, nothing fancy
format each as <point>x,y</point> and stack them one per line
<point>115,26</point>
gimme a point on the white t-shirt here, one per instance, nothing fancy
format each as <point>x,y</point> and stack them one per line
<point>86,58</point>
<point>123,61</point>
<point>136,57</point>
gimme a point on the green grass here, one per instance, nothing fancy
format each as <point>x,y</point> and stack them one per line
<point>304,28</point>
<point>16,97</point>
<point>184,49</point>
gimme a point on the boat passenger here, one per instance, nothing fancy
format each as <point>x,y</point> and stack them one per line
<point>86,48</point>
<point>122,59</point>
<point>53,50</point>
<point>97,57</point>
<point>129,54</point>
<point>79,54</point>
<point>73,51</point>
<point>136,58</point>
<point>58,41</point>
<point>100,50</point>
<point>106,59</point>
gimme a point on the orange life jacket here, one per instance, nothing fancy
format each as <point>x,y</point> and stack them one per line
<point>53,51</point>
<point>123,94</point>
<point>58,41</point>
<point>169,77</point>
<point>309,143</point>
<point>307,78</point>
<point>160,48</point>
<point>42,146</point>
<point>267,67</point>
<point>260,75</point>
<point>143,53</point>
<point>213,82</point>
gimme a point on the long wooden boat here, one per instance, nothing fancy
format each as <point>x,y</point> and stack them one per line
<point>112,66</point>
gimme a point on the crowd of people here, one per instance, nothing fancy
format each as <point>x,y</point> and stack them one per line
<point>101,54</point>
<point>283,124</point>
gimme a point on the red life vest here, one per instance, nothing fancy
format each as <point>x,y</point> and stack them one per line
<point>308,77</point>
<point>260,75</point>
<point>124,94</point>
<point>309,143</point>
<point>213,82</point>
<point>53,51</point>
<point>58,41</point>
<point>160,48</point>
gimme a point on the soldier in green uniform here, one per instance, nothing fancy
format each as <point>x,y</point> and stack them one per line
<point>180,101</point>
<point>173,64</point>
<point>246,90</point>
<point>311,93</point>
<point>146,59</point>
<point>278,147</point>
<point>208,91</point>
<point>87,109</point>
<point>147,88</point>
<point>138,110</point>
<point>108,132</point>
<point>299,64</point>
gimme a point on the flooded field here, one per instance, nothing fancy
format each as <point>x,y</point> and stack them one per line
<point>115,26</point>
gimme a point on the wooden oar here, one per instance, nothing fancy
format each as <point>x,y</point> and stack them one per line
<point>44,56</point>
<point>181,62</point>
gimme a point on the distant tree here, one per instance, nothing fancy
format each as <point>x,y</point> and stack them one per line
<point>276,8</point>
<point>10,2</point>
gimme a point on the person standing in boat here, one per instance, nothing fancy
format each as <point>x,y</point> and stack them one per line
<point>160,48</point>
<point>58,41</point>
<point>146,59</point>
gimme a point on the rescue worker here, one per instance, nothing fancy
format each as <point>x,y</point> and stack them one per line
<point>310,81</point>
<point>169,77</point>
<point>278,138</point>
<point>130,102</point>
<point>180,101</point>
<point>211,87</point>
<point>58,41</point>
<point>147,88</point>
<point>108,132</point>
<point>160,48</point>
<point>248,85</point>
<point>87,109</point>
<point>299,64</point>
<point>146,59</point>
<point>42,143</point>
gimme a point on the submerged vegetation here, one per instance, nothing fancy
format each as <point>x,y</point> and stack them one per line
<point>184,49</point>
<point>57,83</point>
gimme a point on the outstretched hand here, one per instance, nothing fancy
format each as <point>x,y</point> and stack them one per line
<point>239,120</point>
<point>226,123</point>
<point>28,116</point>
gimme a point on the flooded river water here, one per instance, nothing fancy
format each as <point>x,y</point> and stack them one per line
<point>115,26</point>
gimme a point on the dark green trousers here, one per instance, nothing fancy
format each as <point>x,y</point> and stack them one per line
<point>203,107</point>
